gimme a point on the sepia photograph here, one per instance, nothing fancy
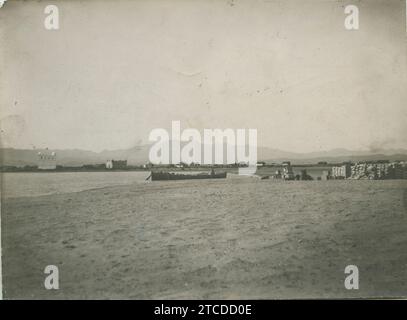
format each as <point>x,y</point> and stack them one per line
<point>203,150</point>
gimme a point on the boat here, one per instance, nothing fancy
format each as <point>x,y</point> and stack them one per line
<point>158,176</point>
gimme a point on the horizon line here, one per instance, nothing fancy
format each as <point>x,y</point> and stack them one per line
<point>258,147</point>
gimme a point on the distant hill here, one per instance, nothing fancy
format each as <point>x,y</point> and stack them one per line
<point>331,156</point>
<point>139,155</point>
<point>75,157</point>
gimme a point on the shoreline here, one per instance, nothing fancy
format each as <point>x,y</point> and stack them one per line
<point>202,168</point>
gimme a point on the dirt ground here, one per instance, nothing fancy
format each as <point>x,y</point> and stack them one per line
<point>228,239</point>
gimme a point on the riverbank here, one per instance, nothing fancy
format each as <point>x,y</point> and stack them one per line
<point>234,238</point>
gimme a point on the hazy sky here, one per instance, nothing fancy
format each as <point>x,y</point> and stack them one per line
<point>117,69</point>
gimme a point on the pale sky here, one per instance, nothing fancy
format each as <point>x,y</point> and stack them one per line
<point>115,70</point>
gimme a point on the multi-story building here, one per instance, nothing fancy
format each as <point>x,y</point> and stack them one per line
<point>379,170</point>
<point>341,172</point>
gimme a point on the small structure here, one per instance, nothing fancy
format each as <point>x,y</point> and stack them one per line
<point>47,160</point>
<point>288,173</point>
<point>305,176</point>
<point>326,175</point>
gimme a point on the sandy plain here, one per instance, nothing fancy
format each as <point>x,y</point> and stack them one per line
<point>240,238</point>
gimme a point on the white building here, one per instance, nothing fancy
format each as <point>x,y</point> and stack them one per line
<point>288,173</point>
<point>47,160</point>
<point>109,164</point>
<point>342,172</point>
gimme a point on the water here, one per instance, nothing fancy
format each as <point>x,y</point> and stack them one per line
<point>40,183</point>
<point>32,184</point>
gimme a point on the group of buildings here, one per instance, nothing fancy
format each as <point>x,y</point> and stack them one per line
<point>116,164</point>
<point>378,170</point>
<point>287,173</point>
<point>48,161</point>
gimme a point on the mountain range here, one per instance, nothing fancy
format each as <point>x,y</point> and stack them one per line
<point>139,155</point>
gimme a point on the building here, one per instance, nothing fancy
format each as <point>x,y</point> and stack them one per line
<point>287,173</point>
<point>47,160</point>
<point>341,172</point>
<point>109,164</point>
<point>398,170</point>
<point>116,164</point>
<point>405,170</point>
<point>277,175</point>
<point>326,175</point>
<point>379,170</point>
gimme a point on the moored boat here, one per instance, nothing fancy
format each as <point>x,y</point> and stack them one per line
<point>157,176</point>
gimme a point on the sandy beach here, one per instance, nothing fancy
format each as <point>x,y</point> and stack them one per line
<point>240,238</point>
